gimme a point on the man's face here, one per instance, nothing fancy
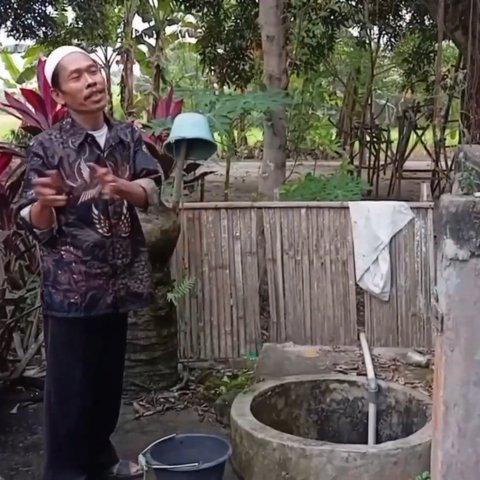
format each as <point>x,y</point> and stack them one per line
<point>82,87</point>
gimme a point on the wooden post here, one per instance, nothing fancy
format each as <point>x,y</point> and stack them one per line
<point>202,189</point>
<point>180,153</point>
<point>425,192</point>
<point>456,411</point>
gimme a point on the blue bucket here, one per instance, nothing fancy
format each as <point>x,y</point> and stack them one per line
<point>190,456</point>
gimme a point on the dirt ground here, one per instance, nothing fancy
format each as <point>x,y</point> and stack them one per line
<point>21,444</point>
<point>245,174</point>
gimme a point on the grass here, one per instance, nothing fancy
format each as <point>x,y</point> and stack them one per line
<point>7,124</point>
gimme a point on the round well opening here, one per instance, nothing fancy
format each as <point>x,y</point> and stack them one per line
<point>336,411</point>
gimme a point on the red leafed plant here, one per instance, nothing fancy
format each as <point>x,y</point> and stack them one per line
<point>37,111</point>
<point>19,263</point>
<point>19,272</point>
<point>156,133</point>
<point>40,111</point>
<point>168,107</point>
<point>5,160</point>
<point>165,111</point>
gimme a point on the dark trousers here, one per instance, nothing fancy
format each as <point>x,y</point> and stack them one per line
<point>83,391</point>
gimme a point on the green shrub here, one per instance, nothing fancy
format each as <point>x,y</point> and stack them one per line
<point>339,186</point>
<point>217,385</point>
<point>424,476</point>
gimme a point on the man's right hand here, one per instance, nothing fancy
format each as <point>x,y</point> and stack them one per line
<point>50,195</point>
<point>49,190</point>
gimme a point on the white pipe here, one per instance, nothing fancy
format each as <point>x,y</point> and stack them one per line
<point>372,387</point>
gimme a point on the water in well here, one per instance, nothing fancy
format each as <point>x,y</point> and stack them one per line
<point>337,411</point>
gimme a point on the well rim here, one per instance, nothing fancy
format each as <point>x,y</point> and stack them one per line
<point>243,418</point>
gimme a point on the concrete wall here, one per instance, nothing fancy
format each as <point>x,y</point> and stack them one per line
<point>456,416</point>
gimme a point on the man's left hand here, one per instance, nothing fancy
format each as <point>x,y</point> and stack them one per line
<point>111,184</point>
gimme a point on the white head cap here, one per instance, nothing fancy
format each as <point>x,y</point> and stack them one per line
<point>56,57</point>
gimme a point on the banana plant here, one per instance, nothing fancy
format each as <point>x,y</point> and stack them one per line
<point>164,27</point>
<point>26,71</point>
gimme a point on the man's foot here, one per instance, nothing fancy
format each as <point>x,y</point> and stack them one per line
<point>126,470</point>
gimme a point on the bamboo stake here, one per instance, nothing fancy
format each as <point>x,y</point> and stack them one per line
<point>180,153</point>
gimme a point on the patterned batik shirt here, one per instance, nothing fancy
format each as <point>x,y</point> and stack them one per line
<point>95,260</point>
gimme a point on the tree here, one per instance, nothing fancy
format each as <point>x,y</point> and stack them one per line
<point>462,26</point>
<point>274,41</point>
<point>95,26</point>
<point>230,40</point>
<point>92,24</point>
<point>27,20</point>
<point>397,19</point>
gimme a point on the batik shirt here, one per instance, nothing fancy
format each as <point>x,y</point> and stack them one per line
<point>95,260</point>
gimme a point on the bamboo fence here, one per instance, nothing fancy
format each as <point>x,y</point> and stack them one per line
<point>298,284</point>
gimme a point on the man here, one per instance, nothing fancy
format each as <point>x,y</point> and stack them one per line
<point>85,178</point>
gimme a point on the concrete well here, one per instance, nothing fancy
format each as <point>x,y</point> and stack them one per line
<point>314,427</point>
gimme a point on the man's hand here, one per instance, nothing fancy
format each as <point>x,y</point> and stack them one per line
<point>49,190</point>
<point>50,195</point>
<point>115,186</point>
<point>111,185</point>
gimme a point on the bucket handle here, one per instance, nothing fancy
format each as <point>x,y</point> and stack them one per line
<point>145,461</point>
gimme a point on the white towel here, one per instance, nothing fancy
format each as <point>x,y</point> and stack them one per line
<point>374,224</point>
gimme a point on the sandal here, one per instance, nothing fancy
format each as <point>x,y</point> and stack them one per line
<point>125,470</point>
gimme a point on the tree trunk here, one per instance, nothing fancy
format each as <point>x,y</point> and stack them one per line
<point>105,59</point>
<point>462,26</point>
<point>127,83</point>
<point>128,61</point>
<point>108,75</point>
<point>272,23</point>
<point>152,353</point>
<point>157,61</point>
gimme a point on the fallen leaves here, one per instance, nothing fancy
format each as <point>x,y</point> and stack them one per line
<point>391,370</point>
<point>198,389</point>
